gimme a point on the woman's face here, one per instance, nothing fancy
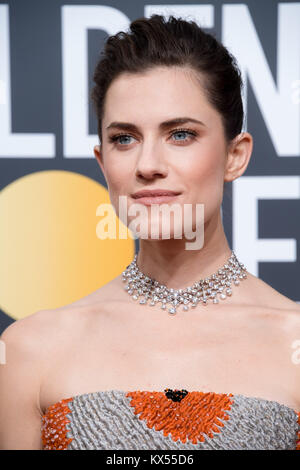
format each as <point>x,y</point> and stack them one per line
<point>187,157</point>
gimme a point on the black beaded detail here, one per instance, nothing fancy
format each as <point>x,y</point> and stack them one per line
<point>175,395</point>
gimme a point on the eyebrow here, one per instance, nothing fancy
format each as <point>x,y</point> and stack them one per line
<point>163,125</point>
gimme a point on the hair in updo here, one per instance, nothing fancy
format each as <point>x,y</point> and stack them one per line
<point>157,41</point>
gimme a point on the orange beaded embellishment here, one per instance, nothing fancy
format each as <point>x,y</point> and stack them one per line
<point>298,437</point>
<point>196,414</point>
<point>54,426</point>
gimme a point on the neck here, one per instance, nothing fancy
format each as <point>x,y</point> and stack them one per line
<point>168,262</point>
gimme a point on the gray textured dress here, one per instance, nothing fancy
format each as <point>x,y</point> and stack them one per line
<point>115,419</point>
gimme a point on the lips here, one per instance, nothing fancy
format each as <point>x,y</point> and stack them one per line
<point>155,196</point>
<point>154,193</point>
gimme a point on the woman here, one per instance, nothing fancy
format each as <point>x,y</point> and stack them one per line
<point>113,371</point>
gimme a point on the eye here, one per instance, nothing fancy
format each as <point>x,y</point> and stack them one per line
<point>117,138</point>
<point>189,132</point>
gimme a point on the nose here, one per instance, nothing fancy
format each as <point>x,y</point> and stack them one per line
<point>151,163</point>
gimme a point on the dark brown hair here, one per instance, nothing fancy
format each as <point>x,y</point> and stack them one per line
<point>157,41</point>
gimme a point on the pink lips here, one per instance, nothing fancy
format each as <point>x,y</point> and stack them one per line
<point>155,196</point>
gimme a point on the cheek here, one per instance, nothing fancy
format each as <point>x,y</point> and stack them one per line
<point>205,175</point>
<point>117,175</point>
<point>205,171</point>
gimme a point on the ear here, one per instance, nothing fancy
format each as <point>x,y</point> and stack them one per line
<point>238,156</point>
<point>99,157</point>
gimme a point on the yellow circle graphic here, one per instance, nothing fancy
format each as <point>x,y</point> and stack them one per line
<point>49,249</point>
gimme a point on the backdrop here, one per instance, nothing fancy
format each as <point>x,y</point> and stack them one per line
<point>51,184</point>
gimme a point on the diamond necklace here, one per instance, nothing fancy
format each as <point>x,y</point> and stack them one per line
<point>203,291</point>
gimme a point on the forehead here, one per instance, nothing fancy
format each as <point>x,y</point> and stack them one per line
<point>158,94</point>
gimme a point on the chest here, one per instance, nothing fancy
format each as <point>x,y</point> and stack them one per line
<point>191,356</point>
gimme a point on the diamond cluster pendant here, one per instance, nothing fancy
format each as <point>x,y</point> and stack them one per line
<point>208,290</point>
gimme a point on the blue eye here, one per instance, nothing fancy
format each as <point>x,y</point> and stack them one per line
<point>183,131</point>
<point>117,137</point>
<point>189,132</point>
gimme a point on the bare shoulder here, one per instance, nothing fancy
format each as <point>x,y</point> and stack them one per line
<point>30,340</point>
<point>276,308</point>
<point>28,331</point>
<point>26,352</point>
<point>280,320</point>
<point>46,326</point>
<point>264,294</point>
<point>32,346</point>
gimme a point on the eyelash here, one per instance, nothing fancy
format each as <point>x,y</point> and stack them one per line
<point>191,133</point>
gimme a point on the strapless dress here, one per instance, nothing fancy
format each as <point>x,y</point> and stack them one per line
<point>169,419</point>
